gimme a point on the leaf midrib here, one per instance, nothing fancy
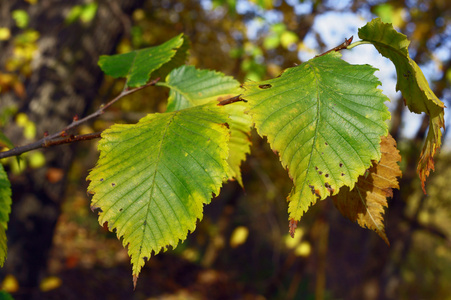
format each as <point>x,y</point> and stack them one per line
<point>154,182</point>
<point>318,115</point>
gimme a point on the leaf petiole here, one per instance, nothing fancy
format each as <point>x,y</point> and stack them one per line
<point>357,44</point>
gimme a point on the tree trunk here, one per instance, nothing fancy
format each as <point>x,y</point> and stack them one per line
<point>64,82</point>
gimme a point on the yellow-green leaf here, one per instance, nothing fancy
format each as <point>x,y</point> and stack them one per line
<point>191,87</point>
<point>5,209</point>
<point>325,118</point>
<point>137,66</point>
<point>153,178</point>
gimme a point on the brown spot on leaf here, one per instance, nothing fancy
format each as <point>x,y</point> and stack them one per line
<point>113,184</point>
<point>342,174</point>
<point>105,225</point>
<point>312,188</point>
<point>341,165</point>
<point>320,172</point>
<point>265,86</point>
<point>329,188</point>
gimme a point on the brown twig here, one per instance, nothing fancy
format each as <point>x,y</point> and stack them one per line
<point>47,143</point>
<point>62,137</point>
<point>231,100</point>
<point>71,139</point>
<point>342,46</point>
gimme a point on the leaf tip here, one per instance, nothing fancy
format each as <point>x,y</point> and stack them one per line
<point>292,227</point>
<point>95,207</point>
<point>385,238</point>
<point>430,148</point>
<point>135,281</point>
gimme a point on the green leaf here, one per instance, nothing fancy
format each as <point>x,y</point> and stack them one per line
<point>5,198</point>
<point>240,125</point>
<point>152,178</point>
<point>415,89</point>
<point>5,142</point>
<point>191,87</point>
<point>325,119</point>
<point>178,60</point>
<point>5,209</point>
<point>3,246</point>
<point>137,66</point>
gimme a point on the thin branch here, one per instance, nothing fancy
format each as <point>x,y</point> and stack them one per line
<point>49,143</point>
<point>62,137</point>
<point>19,150</point>
<point>342,46</point>
<point>73,138</point>
<point>102,108</point>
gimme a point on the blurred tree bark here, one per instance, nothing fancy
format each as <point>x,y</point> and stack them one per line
<point>64,81</point>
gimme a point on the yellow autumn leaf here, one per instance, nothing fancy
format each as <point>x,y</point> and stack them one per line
<point>365,203</point>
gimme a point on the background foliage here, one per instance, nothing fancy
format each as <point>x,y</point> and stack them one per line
<point>240,248</point>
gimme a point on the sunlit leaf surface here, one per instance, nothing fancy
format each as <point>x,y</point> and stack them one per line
<point>137,66</point>
<point>325,119</point>
<point>191,87</point>
<point>153,178</point>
